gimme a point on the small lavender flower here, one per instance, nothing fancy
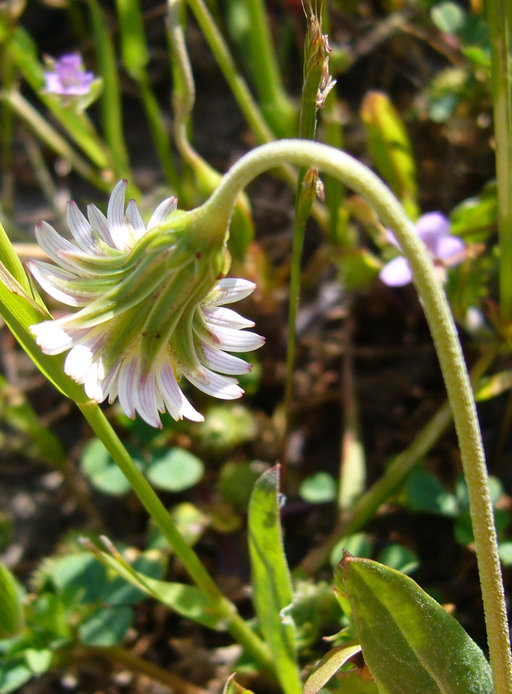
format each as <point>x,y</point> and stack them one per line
<point>151,303</point>
<point>67,76</point>
<point>446,250</point>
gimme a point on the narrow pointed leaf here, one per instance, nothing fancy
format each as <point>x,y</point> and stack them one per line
<point>410,643</point>
<point>271,578</point>
<point>329,666</point>
<point>188,601</point>
<point>232,687</point>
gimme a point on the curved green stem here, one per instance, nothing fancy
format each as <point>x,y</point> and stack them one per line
<point>224,608</point>
<point>358,177</point>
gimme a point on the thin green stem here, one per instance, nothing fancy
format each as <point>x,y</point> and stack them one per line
<point>225,609</point>
<point>159,131</point>
<point>264,70</point>
<point>111,97</point>
<point>499,13</point>
<point>314,64</point>
<point>360,179</point>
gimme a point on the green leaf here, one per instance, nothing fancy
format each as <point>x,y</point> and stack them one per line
<point>329,666</point>
<point>426,494</point>
<point>81,571</point>
<point>188,601</point>
<point>357,544</point>
<point>38,660</point>
<point>106,627</point>
<point>133,41</point>
<point>390,148</point>
<point>410,643</point>
<point>13,674</point>
<point>271,578</point>
<point>101,469</point>
<point>448,17</point>
<point>400,558</point>
<point>319,488</point>
<point>11,610</point>
<point>175,470</point>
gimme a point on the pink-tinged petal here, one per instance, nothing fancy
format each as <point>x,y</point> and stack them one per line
<point>115,215</point>
<point>450,249</point>
<point>128,385</point>
<point>396,273</point>
<point>163,210</point>
<point>80,228</point>
<point>224,363</point>
<point>99,224</point>
<point>51,338</point>
<point>133,216</point>
<point>53,243</point>
<point>226,317</point>
<point>229,290</point>
<point>48,277</point>
<point>78,362</point>
<point>146,402</point>
<point>176,403</point>
<point>432,226</point>
<point>221,387</point>
<point>234,340</point>
<point>392,239</point>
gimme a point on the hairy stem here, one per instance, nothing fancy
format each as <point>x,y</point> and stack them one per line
<point>360,179</point>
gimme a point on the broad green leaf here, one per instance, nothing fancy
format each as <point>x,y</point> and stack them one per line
<point>106,627</point>
<point>399,557</point>
<point>38,660</point>
<point>271,578</point>
<point>426,494</point>
<point>175,469</point>
<point>390,148</point>
<point>80,571</point>
<point>329,666</point>
<point>319,488</point>
<point>13,674</point>
<point>410,643</point>
<point>188,601</point>
<point>102,470</point>
<point>449,17</point>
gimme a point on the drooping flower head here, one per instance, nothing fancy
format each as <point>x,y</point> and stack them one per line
<point>151,307</point>
<point>445,249</point>
<point>67,76</point>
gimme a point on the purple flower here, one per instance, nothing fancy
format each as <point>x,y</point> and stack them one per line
<point>446,250</point>
<point>67,76</point>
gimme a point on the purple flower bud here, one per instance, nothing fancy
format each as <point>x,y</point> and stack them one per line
<point>67,76</point>
<point>446,250</point>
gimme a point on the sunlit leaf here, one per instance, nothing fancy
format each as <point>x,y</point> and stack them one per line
<point>271,578</point>
<point>410,643</point>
